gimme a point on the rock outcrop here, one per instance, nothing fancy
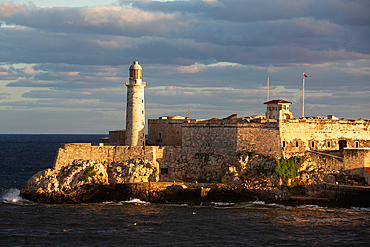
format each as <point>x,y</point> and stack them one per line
<point>253,177</point>
<point>84,180</point>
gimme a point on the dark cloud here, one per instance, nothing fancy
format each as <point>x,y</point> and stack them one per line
<point>345,12</point>
<point>212,56</point>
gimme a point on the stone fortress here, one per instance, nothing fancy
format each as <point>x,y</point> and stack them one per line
<point>183,149</point>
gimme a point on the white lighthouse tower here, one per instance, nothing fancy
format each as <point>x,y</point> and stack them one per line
<point>135,112</point>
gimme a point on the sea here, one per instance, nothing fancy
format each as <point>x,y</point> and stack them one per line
<point>140,223</point>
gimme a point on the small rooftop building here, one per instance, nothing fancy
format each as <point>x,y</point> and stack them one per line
<point>278,109</point>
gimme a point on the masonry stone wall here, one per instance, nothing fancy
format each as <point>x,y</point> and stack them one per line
<point>210,138</point>
<point>232,135</point>
<point>68,153</point>
<point>352,162</point>
<point>117,137</point>
<point>259,137</point>
<point>299,135</point>
<point>356,159</point>
<point>165,132</point>
<point>327,161</point>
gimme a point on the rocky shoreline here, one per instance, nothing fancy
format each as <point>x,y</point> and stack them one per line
<point>192,193</point>
<point>254,179</point>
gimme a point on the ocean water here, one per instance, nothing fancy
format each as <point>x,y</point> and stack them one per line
<point>137,223</point>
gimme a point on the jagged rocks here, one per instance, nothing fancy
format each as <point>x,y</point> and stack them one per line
<point>83,180</point>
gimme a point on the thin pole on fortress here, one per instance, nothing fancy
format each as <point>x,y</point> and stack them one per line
<point>268,81</point>
<point>303,96</point>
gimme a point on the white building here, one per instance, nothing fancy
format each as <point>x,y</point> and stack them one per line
<point>135,112</point>
<point>278,109</point>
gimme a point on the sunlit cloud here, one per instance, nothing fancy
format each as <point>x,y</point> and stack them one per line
<point>212,56</point>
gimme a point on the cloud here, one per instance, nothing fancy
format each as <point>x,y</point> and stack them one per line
<point>212,56</point>
<point>113,20</point>
<point>4,96</point>
<point>7,9</point>
<point>345,12</point>
<point>28,70</point>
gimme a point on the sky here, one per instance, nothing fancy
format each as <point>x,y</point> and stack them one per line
<point>63,64</point>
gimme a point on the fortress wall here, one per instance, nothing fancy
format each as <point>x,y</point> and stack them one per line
<point>67,153</point>
<point>165,132</point>
<point>356,160</point>
<point>327,161</point>
<point>211,137</point>
<point>352,162</point>
<point>263,138</point>
<point>185,164</point>
<point>323,134</point>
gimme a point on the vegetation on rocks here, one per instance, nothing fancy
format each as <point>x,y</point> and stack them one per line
<point>89,172</point>
<point>288,168</point>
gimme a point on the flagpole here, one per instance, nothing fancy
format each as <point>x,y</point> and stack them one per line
<point>268,80</point>
<point>303,97</point>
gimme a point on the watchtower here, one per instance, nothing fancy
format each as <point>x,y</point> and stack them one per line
<point>278,109</point>
<point>135,112</point>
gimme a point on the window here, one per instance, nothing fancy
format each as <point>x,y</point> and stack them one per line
<point>283,144</point>
<point>164,171</point>
<point>296,144</point>
<point>357,144</point>
<point>328,144</point>
<point>312,144</point>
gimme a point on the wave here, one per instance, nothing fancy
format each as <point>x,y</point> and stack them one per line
<point>136,201</point>
<point>13,196</point>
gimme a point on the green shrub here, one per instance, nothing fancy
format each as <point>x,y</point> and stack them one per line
<point>89,172</point>
<point>288,168</point>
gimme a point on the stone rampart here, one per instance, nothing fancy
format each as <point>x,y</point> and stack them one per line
<point>165,132</point>
<point>352,162</point>
<point>259,137</point>
<point>67,153</point>
<point>327,161</point>
<point>232,135</point>
<point>300,135</point>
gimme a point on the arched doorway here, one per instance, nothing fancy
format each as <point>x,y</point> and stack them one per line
<point>342,144</point>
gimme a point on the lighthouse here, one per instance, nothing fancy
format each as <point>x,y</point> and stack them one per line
<point>135,112</point>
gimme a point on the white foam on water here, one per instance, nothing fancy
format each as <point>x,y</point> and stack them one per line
<point>137,201</point>
<point>359,209</point>
<point>13,196</point>
<point>308,206</point>
<point>223,204</point>
<point>259,202</point>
